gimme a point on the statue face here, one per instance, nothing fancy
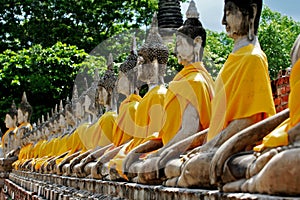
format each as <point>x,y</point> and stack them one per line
<point>9,122</point>
<point>62,121</point>
<point>87,102</point>
<point>21,117</point>
<point>236,23</point>
<point>123,84</point>
<point>184,50</point>
<point>69,119</point>
<point>78,110</point>
<point>147,71</point>
<point>102,95</point>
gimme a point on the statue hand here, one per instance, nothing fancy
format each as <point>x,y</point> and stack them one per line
<point>130,158</point>
<point>293,133</point>
<point>88,159</point>
<point>168,155</point>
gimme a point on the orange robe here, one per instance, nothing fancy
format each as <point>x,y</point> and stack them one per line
<point>148,120</point>
<point>5,136</point>
<point>125,122</point>
<point>279,136</point>
<point>242,89</point>
<point>192,85</point>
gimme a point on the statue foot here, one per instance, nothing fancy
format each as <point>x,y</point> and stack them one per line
<point>59,169</point>
<point>195,172</point>
<point>95,171</point>
<point>65,169</point>
<point>234,186</point>
<point>114,175</point>
<point>172,182</point>
<point>104,170</point>
<point>132,171</point>
<point>88,167</point>
<point>260,162</point>
<point>149,173</point>
<point>173,168</point>
<point>78,171</point>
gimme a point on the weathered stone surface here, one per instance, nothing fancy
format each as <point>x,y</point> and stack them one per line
<point>28,185</point>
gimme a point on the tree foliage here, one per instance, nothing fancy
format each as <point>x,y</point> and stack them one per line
<point>218,47</point>
<point>277,34</point>
<point>84,23</point>
<point>46,74</point>
<point>33,61</point>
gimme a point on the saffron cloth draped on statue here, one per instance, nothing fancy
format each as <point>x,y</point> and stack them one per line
<point>244,89</point>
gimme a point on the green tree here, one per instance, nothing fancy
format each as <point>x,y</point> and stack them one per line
<point>218,47</point>
<point>84,23</point>
<point>46,74</point>
<point>277,34</point>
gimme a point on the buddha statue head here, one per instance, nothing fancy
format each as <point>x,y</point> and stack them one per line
<point>127,74</point>
<point>152,57</point>
<point>11,117</point>
<point>68,113</point>
<point>241,18</point>
<point>10,123</point>
<point>24,111</point>
<point>105,93</point>
<point>190,38</point>
<point>76,105</point>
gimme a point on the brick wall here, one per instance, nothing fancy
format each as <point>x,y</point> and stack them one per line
<point>281,90</point>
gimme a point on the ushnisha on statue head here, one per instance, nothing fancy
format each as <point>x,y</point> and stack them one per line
<point>106,91</point>
<point>152,57</point>
<point>127,78</point>
<point>24,111</point>
<point>190,38</point>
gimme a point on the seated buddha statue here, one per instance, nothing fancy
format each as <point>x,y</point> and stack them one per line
<point>187,103</point>
<point>10,123</point>
<point>243,96</point>
<point>66,123</point>
<point>272,167</point>
<point>24,115</point>
<point>151,64</point>
<point>125,120</point>
<point>98,134</point>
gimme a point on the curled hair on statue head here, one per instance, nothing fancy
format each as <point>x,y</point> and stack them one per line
<point>192,28</point>
<point>246,8</point>
<point>25,106</point>
<point>13,112</point>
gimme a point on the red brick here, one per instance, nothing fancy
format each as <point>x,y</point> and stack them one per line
<point>285,99</point>
<point>279,81</point>
<point>283,91</point>
<point>287,88</point>
<point>277,101</point>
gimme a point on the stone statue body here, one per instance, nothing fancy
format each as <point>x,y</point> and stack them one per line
<point>189,50</point>
<point>125,85</point>
<point>105,95</point>
<point>24,114</point>
<point>242,27</point>
<point>273,169</point>
<point>151,64</point>
<point>10,123</point>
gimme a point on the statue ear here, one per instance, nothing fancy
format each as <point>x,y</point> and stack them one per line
<point>198,50</point>
<point>15,119</point>
<point>198,41</point>
<point>251,33</point>
<point>26,116</point>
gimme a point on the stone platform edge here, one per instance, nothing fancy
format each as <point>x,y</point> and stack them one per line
<point>52,186</point>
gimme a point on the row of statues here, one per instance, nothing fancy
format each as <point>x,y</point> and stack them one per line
<point>196,132</point>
